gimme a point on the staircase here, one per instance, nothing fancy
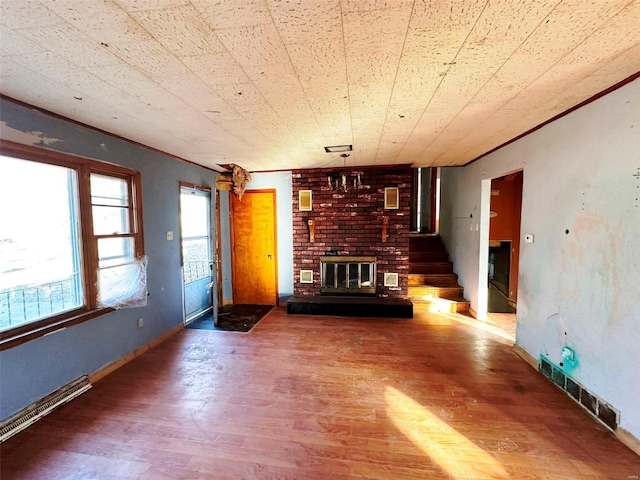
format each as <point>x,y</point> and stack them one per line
<point>431,278</point>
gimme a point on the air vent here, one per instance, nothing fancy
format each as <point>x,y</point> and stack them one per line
<point>306,276</point>
<point>304,200</point>
<point>391,198</point>
<point>390,279</point>
<point>600,409</point>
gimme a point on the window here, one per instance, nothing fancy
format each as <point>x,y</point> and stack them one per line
<point>70,228</point>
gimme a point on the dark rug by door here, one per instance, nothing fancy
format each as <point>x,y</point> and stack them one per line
<point>233,318</point>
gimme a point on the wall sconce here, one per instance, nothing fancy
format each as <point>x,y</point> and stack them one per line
<point>312,230</point>
<point>385,226</point>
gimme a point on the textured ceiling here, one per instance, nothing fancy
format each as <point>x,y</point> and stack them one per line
<point>267,84</point>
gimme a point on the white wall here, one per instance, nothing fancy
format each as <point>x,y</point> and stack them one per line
<point>581,174</point>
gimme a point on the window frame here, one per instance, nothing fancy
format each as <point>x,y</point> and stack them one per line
<point>84,167</point>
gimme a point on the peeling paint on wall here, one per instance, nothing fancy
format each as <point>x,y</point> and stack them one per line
<point>35,138</point>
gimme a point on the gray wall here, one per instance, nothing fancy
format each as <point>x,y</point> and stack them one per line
<point>32,370</point>
<point>578,281</point>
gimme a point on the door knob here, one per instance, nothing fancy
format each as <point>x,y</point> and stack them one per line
<point>269,256</point>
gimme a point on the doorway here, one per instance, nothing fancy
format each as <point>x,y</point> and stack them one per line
<point>195,245</point>
<point>505,208</point>
<point>424,203</point>
<point>254,248</point>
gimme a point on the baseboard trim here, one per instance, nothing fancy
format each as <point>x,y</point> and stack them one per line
<point>116,364</point>
<point>518,350</point>
<point>628,439</point>
<point>473,313</point>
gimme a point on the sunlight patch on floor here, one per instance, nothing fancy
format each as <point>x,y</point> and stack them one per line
<point>453,452</point>
<point>480,325</point>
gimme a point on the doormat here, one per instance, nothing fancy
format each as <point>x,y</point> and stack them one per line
<point>233,318</point>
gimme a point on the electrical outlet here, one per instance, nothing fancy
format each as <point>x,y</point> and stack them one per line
<point>169,235</point>
<point>140,322</point>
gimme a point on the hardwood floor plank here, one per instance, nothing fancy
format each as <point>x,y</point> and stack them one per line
<point>312,397</point>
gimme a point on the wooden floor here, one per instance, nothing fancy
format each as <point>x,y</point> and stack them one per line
<point>313,397</point>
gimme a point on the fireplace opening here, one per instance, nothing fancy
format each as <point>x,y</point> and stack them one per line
<point>348,275</point>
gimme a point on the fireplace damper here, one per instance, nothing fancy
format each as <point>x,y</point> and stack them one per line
<point>347,274</point>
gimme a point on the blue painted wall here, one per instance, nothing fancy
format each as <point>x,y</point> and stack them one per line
<point>281,182</point>
<point>32,370</point>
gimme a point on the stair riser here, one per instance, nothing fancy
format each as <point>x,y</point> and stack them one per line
<point>425,257</point>
<point>450,293</point>
<point>444,280</point>
<point>426,244</point>
<point>427,247</point>
<point>428,268</point>
<point>455,307</point>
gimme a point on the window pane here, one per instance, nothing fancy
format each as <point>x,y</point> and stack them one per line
<point>194,217</point>
<point>196,259</point>
<point>115,251</point>
<point>110,220</point>
<point>107,190</point>
<point>40,273</point>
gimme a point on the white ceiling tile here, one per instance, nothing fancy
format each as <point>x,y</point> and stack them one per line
<point>323,106</point>
<point>18,14</point>
<point>71,44</point>
<point>149,57</point>
<point>46,62</point>
<point>102,20</point>
<point>239,94</point>
<point>194,92</point>
<point>373,58</point>
<point>404,81</point>
<point>363,5</point>
<point>17,43</point>
<point>180,30</point>
<point>137,5</point>
<point>10,69</point>
<point>256,45</point>
<point>216,68</point>
<point>225,14</point>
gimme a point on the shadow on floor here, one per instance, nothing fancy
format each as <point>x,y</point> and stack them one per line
<point>233,318</point>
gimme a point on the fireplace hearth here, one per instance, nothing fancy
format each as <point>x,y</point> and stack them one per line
<point>348,275</point>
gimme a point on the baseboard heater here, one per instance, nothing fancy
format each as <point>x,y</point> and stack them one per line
<point>598,408</point>
<point>34,412</point>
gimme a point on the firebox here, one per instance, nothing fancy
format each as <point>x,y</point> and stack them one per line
<point>347,274</point>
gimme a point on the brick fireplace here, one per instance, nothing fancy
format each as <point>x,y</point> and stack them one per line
<point>350,224</point>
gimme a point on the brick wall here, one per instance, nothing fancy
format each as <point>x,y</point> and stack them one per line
<point>351,224</point>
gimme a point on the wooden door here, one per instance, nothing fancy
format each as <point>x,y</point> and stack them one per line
<point>254,261</point>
